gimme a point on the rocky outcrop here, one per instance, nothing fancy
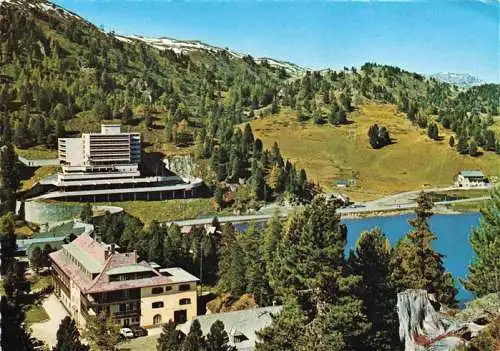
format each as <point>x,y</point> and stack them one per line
<point>423,325</point>
<point>182,165</point>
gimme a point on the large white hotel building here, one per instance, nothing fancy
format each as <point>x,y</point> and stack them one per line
<point>105,166</point>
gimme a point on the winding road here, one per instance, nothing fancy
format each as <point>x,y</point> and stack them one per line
<point>396,202</point>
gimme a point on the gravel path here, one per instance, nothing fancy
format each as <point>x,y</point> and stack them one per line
<point>47,331</point>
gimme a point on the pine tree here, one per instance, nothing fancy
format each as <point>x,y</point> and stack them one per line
<point>101,332</point>
<point>219,197</point>
<point>274,107</point>
<point>452,141</point>
<point>484,271</point>
<point>373,133</point>
<point>169,132</point>
<point>371,261</point>
<point>231,264</point>
<point>170,339</point>
<point>490,140</point>
<point>217,339</point>
<point>36,258</point>
<point>8,246</point>
<point>287,327</point>
<point>432,131</point>
<point>68,337</point>
<point>383,136</point>
<point>156,243</point>
<point>259,184</point>
<point>86,213</point>
<point>148,120</point>
<point>462,146</point>
<point>416,265</point>
<point>309,268</point>
<point>271,239</point>
<point>9,171</point>
<point>127,115</point>
<point>194,341</point>
<point>256,277</point>
<point>101,110</point>
<point>473,149</point>
<point>15,335</point>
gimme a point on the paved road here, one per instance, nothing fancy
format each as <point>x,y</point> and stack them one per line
<point>401,201</point>
<point>39,162</point>
<point>47,331</point>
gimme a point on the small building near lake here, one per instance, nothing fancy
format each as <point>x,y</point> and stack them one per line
<point>471,179</point>
<point>342,183</point>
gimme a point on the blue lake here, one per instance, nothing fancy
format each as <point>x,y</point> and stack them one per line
<point>452,233</point>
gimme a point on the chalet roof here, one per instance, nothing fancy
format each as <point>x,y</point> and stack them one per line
<point>132,268</point>
<point>94,257</point>
<point>89,252</point>
<point>244,322</point>
<point>472,174</point>
<point>178,275</point>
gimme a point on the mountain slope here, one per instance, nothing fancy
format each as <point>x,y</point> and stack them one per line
<point>188,46</point>
<point>61,66</point>
<point>331,153</point>
<point>62,75</point>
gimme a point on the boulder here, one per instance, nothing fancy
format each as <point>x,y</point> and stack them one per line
<point>422,327</point>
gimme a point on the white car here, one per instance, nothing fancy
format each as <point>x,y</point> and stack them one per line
<point>126,333</point>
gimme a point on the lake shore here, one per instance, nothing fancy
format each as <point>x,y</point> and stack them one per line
<point>397,212</point>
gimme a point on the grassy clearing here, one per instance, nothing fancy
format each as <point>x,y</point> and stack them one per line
<point>36,314</point>
<point>41,282</point>
<point>147,211</point>
<point>473,206</point>
<point>466,194</point>
<point>40,173</point>
<point>24,232</point>
<point>37,152</point>
<point>330,153</point>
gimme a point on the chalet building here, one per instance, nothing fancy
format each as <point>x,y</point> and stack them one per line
<point>241,326</point>
<point>90,276</point>
<point>471,179</point>
<point>106,166</point>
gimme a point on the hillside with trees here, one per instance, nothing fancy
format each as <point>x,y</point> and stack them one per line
<point>62,75</point>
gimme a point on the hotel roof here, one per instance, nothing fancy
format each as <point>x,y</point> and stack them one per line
<point>102,264</point>
<point>178,275</point>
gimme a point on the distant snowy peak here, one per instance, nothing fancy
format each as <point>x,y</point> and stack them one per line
<point>463,80</point>
<point>187,46</point>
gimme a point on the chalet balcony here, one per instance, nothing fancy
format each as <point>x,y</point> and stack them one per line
<point>128,313</point>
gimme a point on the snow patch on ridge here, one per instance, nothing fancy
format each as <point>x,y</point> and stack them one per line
<point>187,46</point>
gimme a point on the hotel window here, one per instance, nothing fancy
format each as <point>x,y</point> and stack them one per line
<point>158,304</point>
<point>157,290</point>
<point>184,287</point>
<point>168,288</point>
<point>184,301</point>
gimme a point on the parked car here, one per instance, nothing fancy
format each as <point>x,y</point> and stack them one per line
<point>139,331</point>
<point>126,333</point>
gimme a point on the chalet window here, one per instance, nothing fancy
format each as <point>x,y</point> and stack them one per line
<point>157,290</point>
<point>184,301</point>
<point>184,287</point>
<point>168,288</point>
<point>158,304</point>
<point>123,307</point>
